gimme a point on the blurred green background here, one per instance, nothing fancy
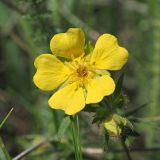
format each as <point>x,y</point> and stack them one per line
<point>26,27</point>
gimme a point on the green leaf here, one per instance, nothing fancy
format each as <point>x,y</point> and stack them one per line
<point>119,85</point>
<point>133,111</point>
<point>89,47</point>
<point>3,152</point>
<point>4,120</point>
<point>63,126</point>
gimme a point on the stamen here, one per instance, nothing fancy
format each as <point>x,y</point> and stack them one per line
<point>82,71</point>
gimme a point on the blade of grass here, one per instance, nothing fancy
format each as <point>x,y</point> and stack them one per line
<point>5,119</point>
<point>3,152</point>
<point>154,8</point>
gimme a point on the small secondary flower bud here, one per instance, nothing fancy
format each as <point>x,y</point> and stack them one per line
<point>113,124</point>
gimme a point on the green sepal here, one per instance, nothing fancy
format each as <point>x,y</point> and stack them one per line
<point>91,108</point>
<point>127,131</point>
<point>119,85</point>
<point>133,111</point>
<point>88,47</point>
<point>101,114</point>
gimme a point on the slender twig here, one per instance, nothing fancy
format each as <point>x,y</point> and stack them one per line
<point>20,42</point>
<point>126,149</point>
<point>29,150</point>
<point>12,6</point>
<point>76,21</point>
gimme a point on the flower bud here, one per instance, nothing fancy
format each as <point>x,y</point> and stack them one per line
<point>113,124</point>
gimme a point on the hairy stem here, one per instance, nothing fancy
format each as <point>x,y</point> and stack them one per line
<point>76,137</point>
<point>126,149</point>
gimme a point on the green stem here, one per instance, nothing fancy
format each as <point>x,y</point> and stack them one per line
<point>79,138</point>
<point>55,119</point>
<point>154,8</point>
<point>74,137</point>
<point>126,149</point>
<point>75,129</point>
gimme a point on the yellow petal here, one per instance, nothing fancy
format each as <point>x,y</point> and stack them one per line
<point>70,99</point>
<point>108,54</point>
<point>98,88</point>
<point>51,72</point>
<point>69,44</point>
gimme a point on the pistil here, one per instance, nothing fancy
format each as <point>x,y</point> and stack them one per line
<point>82,71</point>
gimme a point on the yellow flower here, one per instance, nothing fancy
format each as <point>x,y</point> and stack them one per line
<point>113,124</point>
<point>82,78</point>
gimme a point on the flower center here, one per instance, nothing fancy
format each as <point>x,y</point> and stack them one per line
<point>82,71</point>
